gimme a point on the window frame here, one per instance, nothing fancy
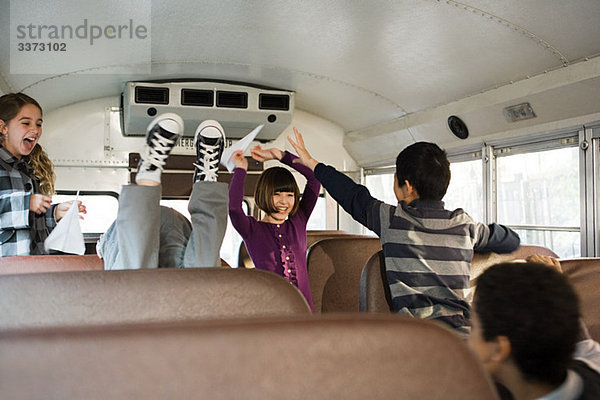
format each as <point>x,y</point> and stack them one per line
<point>585,137</point>
<point>473,153</point>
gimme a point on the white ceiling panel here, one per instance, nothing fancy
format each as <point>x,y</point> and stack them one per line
<point>360,64</point>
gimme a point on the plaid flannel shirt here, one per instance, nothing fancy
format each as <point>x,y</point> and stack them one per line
<point>22,232</point>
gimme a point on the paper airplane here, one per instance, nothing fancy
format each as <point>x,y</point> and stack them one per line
<point>242,145</point>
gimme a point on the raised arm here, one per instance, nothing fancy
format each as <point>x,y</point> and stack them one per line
<point>354,198</point>
<point>312,188</point>
<point>304,156</point>
<point>239,220</point>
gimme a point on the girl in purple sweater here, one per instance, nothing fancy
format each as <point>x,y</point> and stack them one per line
<point>277,243</point>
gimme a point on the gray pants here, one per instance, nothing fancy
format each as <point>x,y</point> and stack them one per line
<point>146,235</point>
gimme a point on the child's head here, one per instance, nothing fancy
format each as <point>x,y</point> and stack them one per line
<point>425,166</point>
<point>525,315</point>
<point>273,182</point>
<point>20,123</point>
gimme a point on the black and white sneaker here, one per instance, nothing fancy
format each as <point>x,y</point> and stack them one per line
<point>162,135</point>
<point>209,142</point>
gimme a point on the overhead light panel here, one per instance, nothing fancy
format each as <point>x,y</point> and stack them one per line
<point>519,112</point>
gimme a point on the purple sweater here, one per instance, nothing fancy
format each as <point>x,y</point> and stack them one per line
<point>280,248</point>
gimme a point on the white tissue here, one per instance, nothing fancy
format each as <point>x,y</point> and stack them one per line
<point>66,235</point>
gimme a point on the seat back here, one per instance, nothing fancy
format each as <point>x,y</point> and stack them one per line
<point>347,357</point>
<point>116,297</point>
<point>55,263</point>
<point>584,274</point>
<point>314,236</point>
<point>374,289</point>
<point>50,263</point>
<point>334,269</point>
<point>481,261</point>
<point>375,293</point>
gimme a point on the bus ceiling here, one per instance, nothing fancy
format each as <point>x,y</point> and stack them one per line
<point>387,73</point>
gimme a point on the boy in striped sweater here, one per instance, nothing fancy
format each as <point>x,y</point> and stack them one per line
<point>427,249</point>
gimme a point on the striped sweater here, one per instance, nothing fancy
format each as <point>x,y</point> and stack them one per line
<point>428,249</point>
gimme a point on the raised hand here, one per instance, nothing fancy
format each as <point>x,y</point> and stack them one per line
<point>260,154</point>
<point>239,161</point>
<point>304,156</point>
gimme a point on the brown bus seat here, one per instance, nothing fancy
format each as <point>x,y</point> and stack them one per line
<point>374,289</point>
<point>115,297</point>
<point>481,261</point>
<point>312,236</point>
<point>375,295</point>
<point>54,263</point>
<point>50,263</point>
<point>319,357</point>
<point>584,274</point>
<point>334,269</point>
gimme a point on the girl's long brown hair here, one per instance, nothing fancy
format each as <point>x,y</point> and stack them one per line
<point>43,169</point>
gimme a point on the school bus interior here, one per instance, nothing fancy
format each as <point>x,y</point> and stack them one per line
<point>510,89</point>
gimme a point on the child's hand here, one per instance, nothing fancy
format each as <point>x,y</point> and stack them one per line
<point>62,208</point>
<point>39,204</point>
<point>303,155</point>
<point>550,261</point>
<point>260,154</point>
<point>239,161</point>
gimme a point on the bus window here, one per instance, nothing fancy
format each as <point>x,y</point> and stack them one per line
<point>181,206</point>
<point>381,186</point>
<point>101,209</point>
<point>538,196</point>
<point>466,188</point>
<point>318,218</point>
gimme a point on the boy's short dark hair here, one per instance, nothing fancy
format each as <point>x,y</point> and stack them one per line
<point>272,180</point>
<point>537,309</point>
<point>427,169</point>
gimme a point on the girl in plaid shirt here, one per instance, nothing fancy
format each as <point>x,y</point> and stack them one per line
<point>27,214</point>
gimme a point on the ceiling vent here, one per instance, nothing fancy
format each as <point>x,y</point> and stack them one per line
<point>151,95</point>
<point>232,99</point>
<point>239,108</point>
<point>198,98</point>
<point>273,102</point>
<point>519,112</point>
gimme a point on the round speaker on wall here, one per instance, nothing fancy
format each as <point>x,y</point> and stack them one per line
<point>458,127</point>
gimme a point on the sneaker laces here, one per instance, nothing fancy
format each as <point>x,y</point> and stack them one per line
<point>157,152</point>
<point>209,163</point>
